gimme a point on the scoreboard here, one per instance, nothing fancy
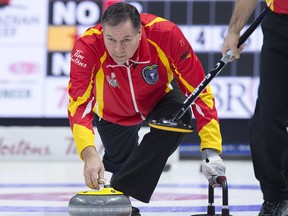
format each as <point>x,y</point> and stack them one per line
<point>205,23</point>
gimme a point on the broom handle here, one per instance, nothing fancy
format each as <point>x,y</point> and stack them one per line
<point>219,66</point>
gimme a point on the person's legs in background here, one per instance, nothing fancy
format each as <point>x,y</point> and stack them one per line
<point>267,130</point>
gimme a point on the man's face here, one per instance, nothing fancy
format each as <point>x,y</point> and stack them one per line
<point>121,40</point>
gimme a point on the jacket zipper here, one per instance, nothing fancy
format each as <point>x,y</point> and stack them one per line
<point>131,86</point>
<point>132,92</point>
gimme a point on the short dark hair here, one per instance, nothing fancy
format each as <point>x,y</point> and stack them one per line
<point>119,12</point>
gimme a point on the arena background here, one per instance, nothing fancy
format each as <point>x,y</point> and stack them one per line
<point>36,38</point>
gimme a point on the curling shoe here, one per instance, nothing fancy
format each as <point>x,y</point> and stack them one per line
<point>270,208</point>
<point>135,211</point>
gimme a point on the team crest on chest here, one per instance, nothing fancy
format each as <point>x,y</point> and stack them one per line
<point>150,74</point>
<point>112,80</point>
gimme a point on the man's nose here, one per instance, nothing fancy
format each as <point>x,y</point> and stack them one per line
<point>118,48</point>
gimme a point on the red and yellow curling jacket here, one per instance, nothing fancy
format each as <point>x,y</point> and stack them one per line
<point>278,6</point>
<point>125,94</point>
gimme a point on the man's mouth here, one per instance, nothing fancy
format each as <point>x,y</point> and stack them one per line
<point>119,57</point>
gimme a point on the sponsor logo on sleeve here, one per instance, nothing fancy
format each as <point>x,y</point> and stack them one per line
<point>186,54</point>
<point>77,57</point>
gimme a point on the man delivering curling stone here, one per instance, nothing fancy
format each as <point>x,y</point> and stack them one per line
<point>122,74</point>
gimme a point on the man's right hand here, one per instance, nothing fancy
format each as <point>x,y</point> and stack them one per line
<point>93,167</point>
<point>230,43</point>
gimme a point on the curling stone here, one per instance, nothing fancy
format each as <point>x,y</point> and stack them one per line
<point>103,202</point>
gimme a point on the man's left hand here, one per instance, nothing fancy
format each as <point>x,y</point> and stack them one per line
<point>213,167</point>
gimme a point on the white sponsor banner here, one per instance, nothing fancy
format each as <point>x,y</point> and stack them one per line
<point>48,143</point>
<point>22,76</point>
<point>56,97</point>
<point>22,65</point>
<point>23,22</point>
<point>37,143</point>
<point>235,96</point>
<point>21,100</point>
<point>208,38</point>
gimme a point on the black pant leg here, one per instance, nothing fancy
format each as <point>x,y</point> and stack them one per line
<point>267,130</point>
<point>269,156</point>
<point>119,143</point>
<point>139,177</point>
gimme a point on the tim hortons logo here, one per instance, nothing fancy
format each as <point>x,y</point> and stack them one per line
<point>78,58</point>
<point>22,147</point>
